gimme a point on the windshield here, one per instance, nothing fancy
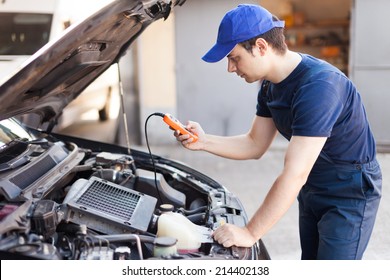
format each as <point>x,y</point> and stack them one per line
<point>23,33</point>
<point>11,130</point>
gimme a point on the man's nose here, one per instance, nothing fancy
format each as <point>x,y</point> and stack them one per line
<point>231,67</point>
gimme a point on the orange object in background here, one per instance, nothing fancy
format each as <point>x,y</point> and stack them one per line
<point>288,20</point>
<point>330,51</point>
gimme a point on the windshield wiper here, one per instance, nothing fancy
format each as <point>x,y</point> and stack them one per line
<point>10,153</point>
<point>41,142</point>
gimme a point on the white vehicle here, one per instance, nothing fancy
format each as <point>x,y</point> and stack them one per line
<point>27,26</point>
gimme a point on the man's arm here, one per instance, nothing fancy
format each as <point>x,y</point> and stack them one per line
<point>300,157</point>
<point>247,146</point>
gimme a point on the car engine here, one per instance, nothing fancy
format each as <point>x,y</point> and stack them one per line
<point>64,202</point>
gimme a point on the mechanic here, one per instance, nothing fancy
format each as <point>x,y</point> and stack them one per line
<point>330,162</point>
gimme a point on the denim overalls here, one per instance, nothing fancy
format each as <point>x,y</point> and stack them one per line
<point>337,209</point>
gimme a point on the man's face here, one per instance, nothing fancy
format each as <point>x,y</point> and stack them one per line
<point>246,64</point>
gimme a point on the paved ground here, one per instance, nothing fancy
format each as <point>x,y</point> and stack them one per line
<point>251,179</point>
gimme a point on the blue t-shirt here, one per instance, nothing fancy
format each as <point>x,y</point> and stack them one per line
<point>317,99</point>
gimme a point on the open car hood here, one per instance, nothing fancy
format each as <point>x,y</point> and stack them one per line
<point>62,69</point>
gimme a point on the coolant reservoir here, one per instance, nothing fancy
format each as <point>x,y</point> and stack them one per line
<point>189,236</point>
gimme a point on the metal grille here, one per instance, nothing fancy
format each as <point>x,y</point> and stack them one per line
<point>29,176</point>
<point>110,200</point>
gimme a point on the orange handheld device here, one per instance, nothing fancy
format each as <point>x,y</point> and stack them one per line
<point>177,125</point>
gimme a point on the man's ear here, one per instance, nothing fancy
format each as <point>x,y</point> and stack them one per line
<point>261,45</point>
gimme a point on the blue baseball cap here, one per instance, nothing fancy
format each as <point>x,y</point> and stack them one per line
<point>238,25</point>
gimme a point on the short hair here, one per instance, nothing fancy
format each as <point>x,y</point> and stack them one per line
<point>274,37</point>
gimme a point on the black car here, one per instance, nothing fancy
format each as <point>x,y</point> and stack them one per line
<point>66,198</point>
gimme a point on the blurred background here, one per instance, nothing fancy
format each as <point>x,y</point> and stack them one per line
<point>163,72</point>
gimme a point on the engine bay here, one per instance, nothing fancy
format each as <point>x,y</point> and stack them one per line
<point>98,205</point>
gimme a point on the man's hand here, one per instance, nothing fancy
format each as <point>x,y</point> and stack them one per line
<point>186,139</point>
<point>228,235</point>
